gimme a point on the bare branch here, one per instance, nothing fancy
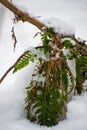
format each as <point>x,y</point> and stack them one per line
<point>20,15</point>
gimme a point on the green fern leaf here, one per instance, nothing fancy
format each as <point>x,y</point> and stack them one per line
<point>24,61</point>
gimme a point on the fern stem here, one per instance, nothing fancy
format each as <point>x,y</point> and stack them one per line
<point>6,73</point>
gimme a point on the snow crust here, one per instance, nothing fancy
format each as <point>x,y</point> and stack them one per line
<point>60,26</point>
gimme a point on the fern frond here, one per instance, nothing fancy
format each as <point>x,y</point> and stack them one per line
<point>24,60</point>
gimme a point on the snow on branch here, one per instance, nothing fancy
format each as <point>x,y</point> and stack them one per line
<point>60,26</point>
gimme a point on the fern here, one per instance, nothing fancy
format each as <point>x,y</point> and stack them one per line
<point>47,106</point>
<point>46,38</point>
<point>24,61</point>
<point>46,99</point>
<point>47,103</point>
<point>81,70</point>
<point>78,51</point>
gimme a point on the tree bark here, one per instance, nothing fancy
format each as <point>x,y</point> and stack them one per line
<point>23,16</point>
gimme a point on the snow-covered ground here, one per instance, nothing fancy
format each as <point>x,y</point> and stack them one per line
<point>12,89</point>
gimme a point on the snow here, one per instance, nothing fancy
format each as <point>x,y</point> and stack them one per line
<point>40,53</point>
<point>71,40</point>
<point>60,26</point>
<point>12,89</point>
<point>81,40</point>
<point>39,78</point>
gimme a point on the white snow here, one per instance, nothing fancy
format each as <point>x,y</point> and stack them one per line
<point>12,89</point>
<point>60,26</point>
<point>71,40</point>
<point>39,78</point>
<point>40,54</point>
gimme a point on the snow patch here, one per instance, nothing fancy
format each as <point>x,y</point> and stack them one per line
<point>39,78</point>
<point>59,26</point>
<point>40,53</point>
